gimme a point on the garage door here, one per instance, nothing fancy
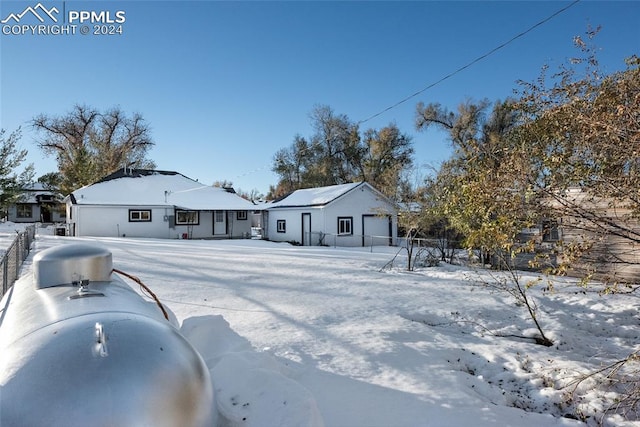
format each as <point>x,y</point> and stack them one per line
<point>376,230</point>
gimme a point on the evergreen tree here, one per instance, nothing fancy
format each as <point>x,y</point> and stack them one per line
<point>12,157</point>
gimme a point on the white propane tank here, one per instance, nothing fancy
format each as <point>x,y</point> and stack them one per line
<point>79,347</point>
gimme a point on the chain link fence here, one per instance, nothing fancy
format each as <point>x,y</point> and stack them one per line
<point>14,256</point>
<point>318,238</point>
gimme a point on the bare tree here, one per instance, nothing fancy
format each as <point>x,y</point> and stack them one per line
<point>386,155</point>
<point>337,153</point>
<point>89,144</point>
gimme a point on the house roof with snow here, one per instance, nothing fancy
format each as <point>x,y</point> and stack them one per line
<point>320,196</point>
<point>144,187</point>
<point>37,192</point>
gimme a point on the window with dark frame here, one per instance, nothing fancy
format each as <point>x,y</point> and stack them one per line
<point>241,215</point>
<point>550,231</point>
<point>281,226</point>
<point>24,210</point>
<point>219,216</point>
<point>345,225</point>
<point>139,215</point>
<point>187,217</point>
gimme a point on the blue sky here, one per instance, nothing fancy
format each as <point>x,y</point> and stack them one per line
<point>224,85</point>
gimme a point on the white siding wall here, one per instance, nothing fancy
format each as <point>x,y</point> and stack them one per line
<point>107,221</point>
<point>354,204</point>
<point>239,228</point>
<point>231,227</point>
<point>203,229</point>
<point>292,218</point>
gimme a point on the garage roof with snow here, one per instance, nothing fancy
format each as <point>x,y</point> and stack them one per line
<point>315,196</point>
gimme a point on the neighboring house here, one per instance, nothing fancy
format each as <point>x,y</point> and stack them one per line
<point>610,228</point>
<point>160,204</point>
<point>37,204</point>
<point>607,231</point>
<point>353,214</point>
<point>542,255</point>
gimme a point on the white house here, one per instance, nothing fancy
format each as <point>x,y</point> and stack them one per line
<point>37,204</point>
<point>160,204</point>
<point>353,214</point>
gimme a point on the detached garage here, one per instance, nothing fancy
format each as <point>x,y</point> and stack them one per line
<point>354,214</point>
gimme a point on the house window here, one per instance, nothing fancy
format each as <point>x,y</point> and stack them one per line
<point>281,226</point>
<point>187,217</point>
<point>345,225</point>
<point>550,231</point>
<point>241,215</point>
<point>219,216</point>
<point>139,215</point>
<point>44,198</point>
<point>24,210</point>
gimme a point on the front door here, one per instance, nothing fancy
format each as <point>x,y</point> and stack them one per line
<point>219,223</point>
<point>45,213</point>
<point>306,229</point>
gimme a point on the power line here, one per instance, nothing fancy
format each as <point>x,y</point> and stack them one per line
<point>478,59</point>
<point>453,73</point>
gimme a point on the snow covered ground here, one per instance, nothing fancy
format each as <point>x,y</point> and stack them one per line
<point>312,336</point>
<point>8,232</point>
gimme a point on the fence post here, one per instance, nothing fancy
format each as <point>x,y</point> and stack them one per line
<point>17,245</point>
<point>5,274</point>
